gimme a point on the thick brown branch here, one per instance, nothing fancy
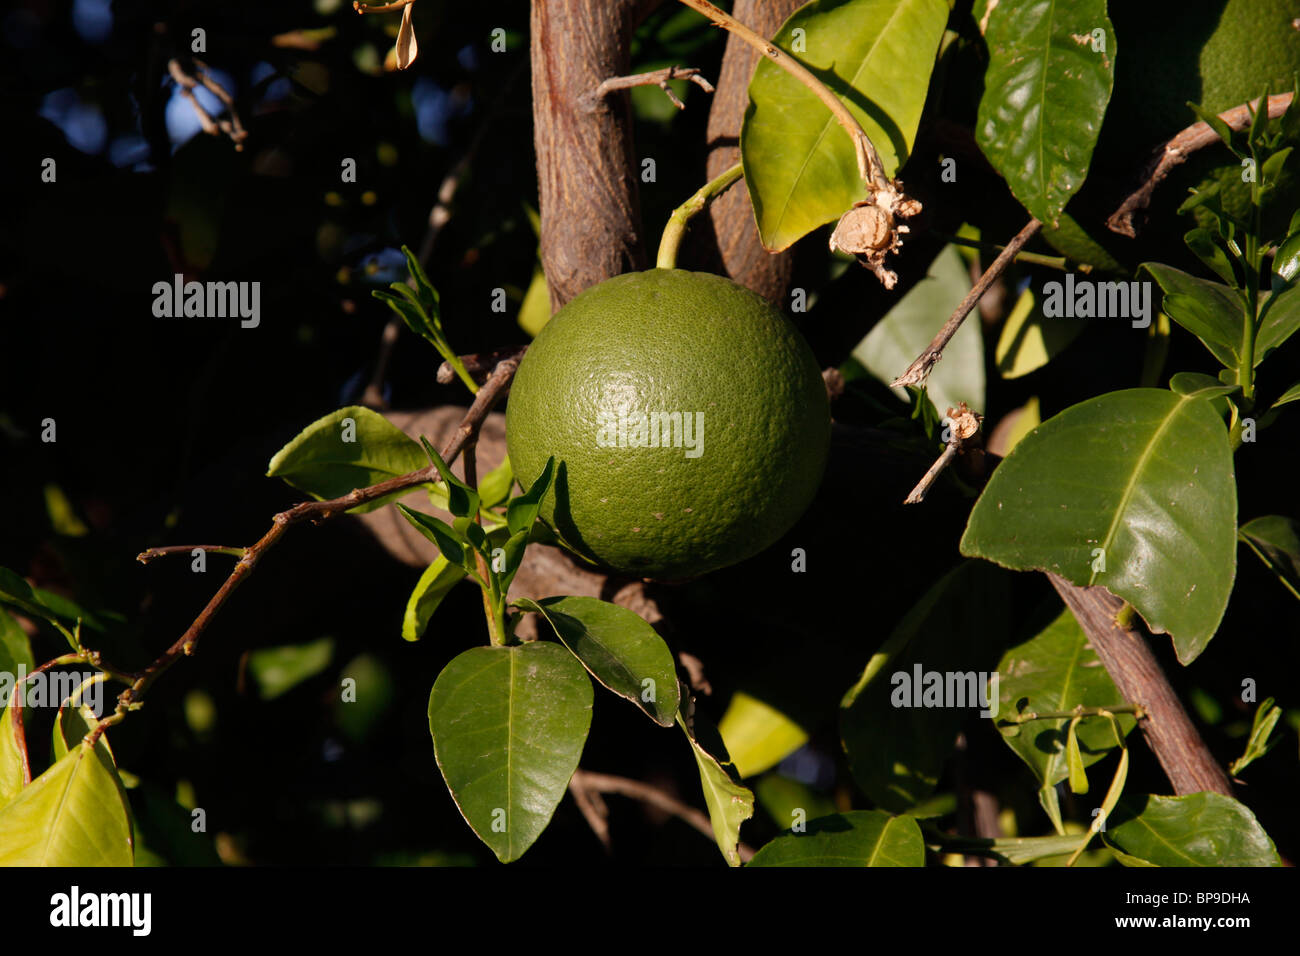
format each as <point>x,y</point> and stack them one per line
<point>1127,657</point>
<point>918,371</point>
<point>1175,152</point>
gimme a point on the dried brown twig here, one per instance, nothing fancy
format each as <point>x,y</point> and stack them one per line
<point>232,127</point>
<point>1177,150</point>
<point>659,78</point>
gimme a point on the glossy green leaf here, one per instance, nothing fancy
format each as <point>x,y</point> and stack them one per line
<point>277,670</point>
<point>1133,490</point>
<point>1209,310</point>
<point>876,56</point>
<point>908,327</point>
<point>1073,760</point>
<point>74,814</point>
<point>1016,850</point>
<point>859,838</point>
<point>1054,672</point>
<point>11,758</point>
<point>758,736</point>
<point>522,510</point>
<point>435,583</point>
<point>1286,263</point>
<point>508,726</point>
<point>1045,93</point>
<point>730,804</point>
<point>319,461</point>
<point>16,591</point>
<point>1276,541</point>
<point>620,650</point>
<point>897,744</point>
<point>512,558</point>
<point>1030,339</point>
<point>1200,829</point>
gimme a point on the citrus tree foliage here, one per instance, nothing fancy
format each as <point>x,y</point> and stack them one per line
<point>868,664</point>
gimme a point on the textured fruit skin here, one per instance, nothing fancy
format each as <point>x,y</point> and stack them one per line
<point>671,341</point>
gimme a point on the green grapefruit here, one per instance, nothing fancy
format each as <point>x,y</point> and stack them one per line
<point>687,417</point>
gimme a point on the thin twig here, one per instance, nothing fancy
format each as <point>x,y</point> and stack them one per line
<point>606,783</point>
<point>593,808</point>
<point>1175,152</point>
<point>380,8</point>
<point>315,512</point>
<point>963,425</point>
<point>591,101</point>
<point>481,364</point>
<point>675,229</point>
<point>918,371</point>
<point>152,554</point>
<point>186,84</point>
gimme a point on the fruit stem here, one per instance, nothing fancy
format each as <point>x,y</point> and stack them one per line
<point>676,227</point>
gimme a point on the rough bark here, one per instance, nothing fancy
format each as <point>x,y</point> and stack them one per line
<point>1128,659</point>
<point>739,252</point>
<point>586,167</point>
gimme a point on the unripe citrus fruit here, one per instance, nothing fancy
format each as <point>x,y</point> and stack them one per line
<point>687,417</point>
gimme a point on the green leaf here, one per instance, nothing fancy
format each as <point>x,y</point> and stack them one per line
<point>15,648</point>
<point>1015,850</point>
<point>513,558</point>
<point>462,500</point>
<point>729,803</point>
<point>908,327</point>
<point>758,736</point>
<point>1045,93</point>
<point>875,55</point>
<point>1199,829</point>
<point>1279,317</point>
<point>436,530</point>
<point>1139,479</point>
<point>435,583</point>
<point>1030,339</point>
<point>278,670</point>
<point>788,801</point>
<point>319,461</point>
<point>74,814</point>
<point>1209,310</point>
<point>1208,248</point>
<point>1276,541</point>
<point>1292,394</point>
<point>896,746</point>
<point>16,591</point>
<point>1078,776</point>
<point>859,838</point>
<point>508,726</point>
<point>494,487</point>
<point>1053,672</point>
<point>11,758</point>
<point>522,510</point>
<point>1266,718</point>
<point>620,650</point>
<point>1196,385</point>
<point>1286,263</point>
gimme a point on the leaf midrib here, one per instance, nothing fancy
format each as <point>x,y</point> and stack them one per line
<point>1133,481</point>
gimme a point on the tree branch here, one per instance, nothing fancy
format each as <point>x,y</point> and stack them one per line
<point>1127,657</point>
<point>919,370</point>
<point>1177,150</point>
